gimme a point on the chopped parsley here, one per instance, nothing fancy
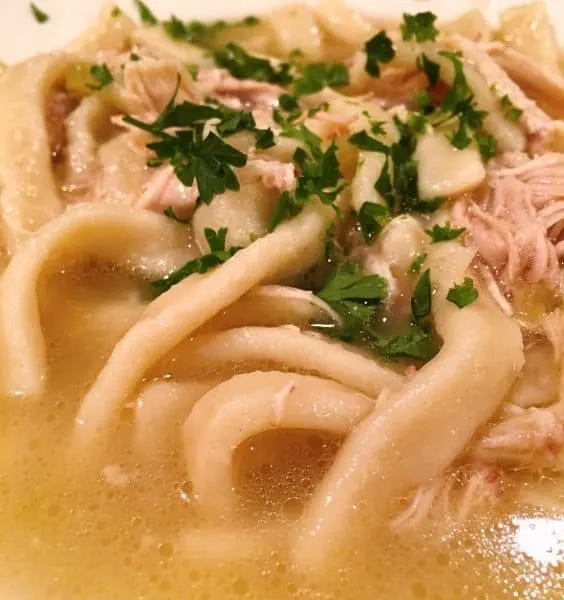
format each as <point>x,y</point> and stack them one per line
<point>102,75</point>
<point>420,27</point>
<point>193,71</point>
<point>145,14</point>
<point>379,50</point>
<point>429,67</point>
<point>363,141</point>
<point>415,266</point>
<point>264,139</point>
<point>315,76</point>
<point>207,160</point>
<point>463,294</point>
<point>419,343</point>
<point>423,101</point>
<point>354,296</point>
<point>216,256</point>
<point>444,233</point>
<point>511,112</point>
<point>421,299</point>
<point>372,218</point>
<point>320,175</point>
<point>133,57</point>
<point>487,145</point>
<point>116,12</point>
<point>243,65</point>
<point>38,14</point>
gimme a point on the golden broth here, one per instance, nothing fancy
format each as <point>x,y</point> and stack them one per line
<point>128,529</point>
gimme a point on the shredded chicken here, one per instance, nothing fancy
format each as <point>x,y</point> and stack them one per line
<point>455,496</point>
<point>517,221</point>
<point>149,84</point>
<point>272,173</point>
<point>533,77</point>
<point>525,438</point>
<point>60,105</point>
<point>237,93</point>
<point>164,190</point>
<point>536,123</point>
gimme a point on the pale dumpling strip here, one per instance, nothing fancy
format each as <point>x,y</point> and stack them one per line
<point>290,348</point>
<point>29,197</point>
<point>290,249</point>
<point>120,235</point>
<point>247,405</point>
<point>415,433</point>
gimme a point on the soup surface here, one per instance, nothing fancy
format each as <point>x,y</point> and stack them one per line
<point>280,310</point>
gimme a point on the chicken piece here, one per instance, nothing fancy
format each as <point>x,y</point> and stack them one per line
<point>148,85</point>
<point>538,126</point>
<point>272,173</point>
<point>545,85</point>
<point>455,496</point>
<point>164,190</point>
<point>517,221</point>
<point>526,438</point>
<point>238,94</point>
<point>60,105</point>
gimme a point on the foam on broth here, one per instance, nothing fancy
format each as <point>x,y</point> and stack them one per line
<point>114,531</point>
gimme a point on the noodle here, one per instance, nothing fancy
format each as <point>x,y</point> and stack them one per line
<point>281,308</point>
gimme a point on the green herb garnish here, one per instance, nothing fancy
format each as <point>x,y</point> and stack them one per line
<point>365,142</point>
<point>487,145</point>
<point>243,65</point>
<point>145,15</point>
<point>421,299</point>
<point>420,27</point>
<point>315,76</point>
<point>372,218</point>
<point>511,112</point>
<point>463,294</point>
<point>417,263</point>
<point>116,12</point>
<point>379,50</point>
<point>207,160</point>
<point>444,233</point>
<point>39,15</point>
<point>429,67</point>
<point>102,75</point>
<point>216,256</point>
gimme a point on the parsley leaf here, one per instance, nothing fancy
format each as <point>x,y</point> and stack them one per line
<point>365,142</point>
<point>206,160</point>
<point>417,263</point>
<point>384,186</point>
<point>420,26</point>
<point>429,67</point>
<point>372,218</point>
<point>217,256</point>
<point>418,343</point>
<point>459,90</point>
<point>39,15</point>
<point>421,299</point>
<point>463,294</point>
<point>445,233</point>
<point>264,138</point>
<point>354,296</point>
<point>487,145</point>
<point>243,65</point>
<point>315,76</point>
<point>379,50</point>
<point>102,75</point>
<point>511,112</point>
<point>423,101</point>
<point>320,174</point>
<point>116,11</point>
<point>145,14</point>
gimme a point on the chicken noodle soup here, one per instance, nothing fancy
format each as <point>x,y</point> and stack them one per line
<point>281,309</point>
